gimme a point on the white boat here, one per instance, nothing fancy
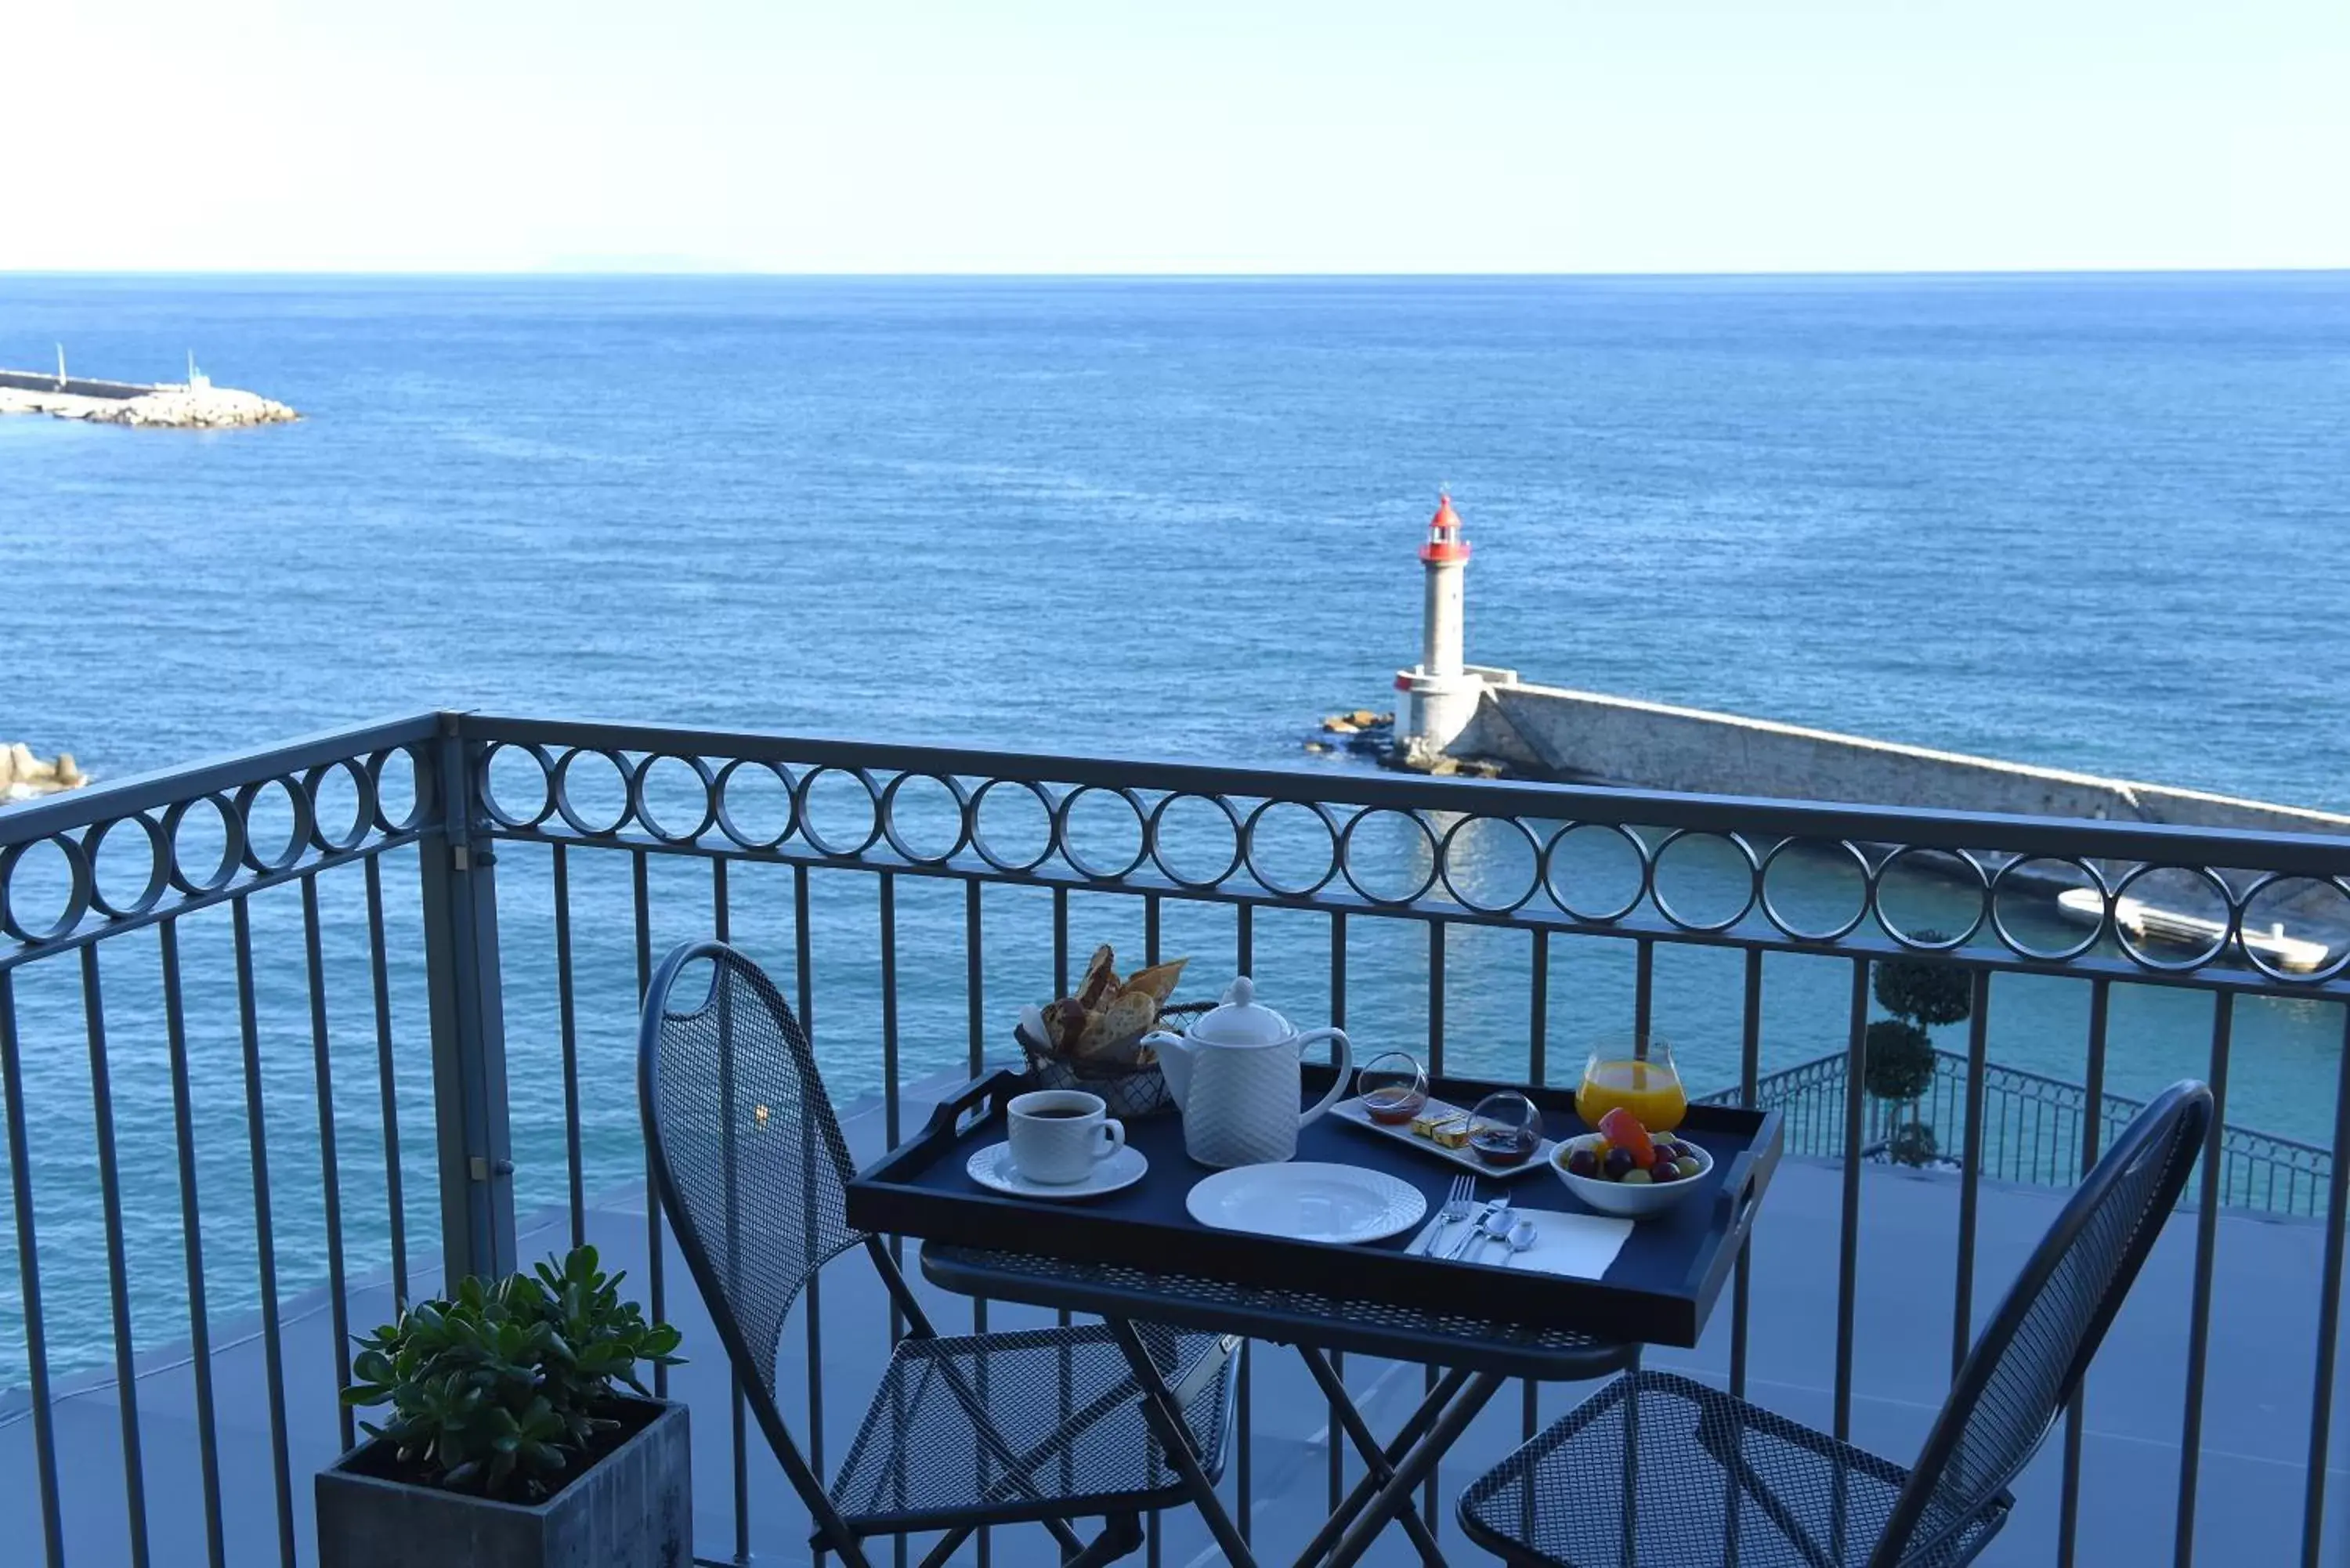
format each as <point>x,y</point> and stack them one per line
<point>2296,955</point>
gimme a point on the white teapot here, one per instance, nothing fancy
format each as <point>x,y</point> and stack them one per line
<point>1235,1073</point>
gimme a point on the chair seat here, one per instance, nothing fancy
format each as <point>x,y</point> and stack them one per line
<point>1717,1481</point>
<point>1061,1402</point>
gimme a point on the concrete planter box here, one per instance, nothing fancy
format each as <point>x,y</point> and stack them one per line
<point>632,1509</point>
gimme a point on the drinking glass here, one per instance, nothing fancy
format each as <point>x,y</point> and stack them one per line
<point>1638,1075</point>
<point>1504,1128</point>
<point>1394,1087</point>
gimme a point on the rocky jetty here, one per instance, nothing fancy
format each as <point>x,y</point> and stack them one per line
<point>1359,731</point>
<point>24,776</point>
<point>170,407</point>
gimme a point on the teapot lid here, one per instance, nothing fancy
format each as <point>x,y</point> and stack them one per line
<point>1239,1021</point>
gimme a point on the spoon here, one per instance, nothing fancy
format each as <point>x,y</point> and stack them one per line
<point>1492,1225</point>
<point>1520,1239</point>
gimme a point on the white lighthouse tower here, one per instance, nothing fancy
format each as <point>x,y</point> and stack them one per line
<point>1439,692</point>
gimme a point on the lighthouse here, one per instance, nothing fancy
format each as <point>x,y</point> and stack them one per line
<point>1439,692</point>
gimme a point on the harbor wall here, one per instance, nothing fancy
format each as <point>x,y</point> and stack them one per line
<point>74,385</point>
<point>1591,737</point>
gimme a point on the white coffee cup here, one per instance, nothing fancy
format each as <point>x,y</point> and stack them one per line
<point>1057,1134</point>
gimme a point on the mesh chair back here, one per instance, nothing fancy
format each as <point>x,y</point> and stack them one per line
<point>746,1150</point>
<point>2024,1368</point>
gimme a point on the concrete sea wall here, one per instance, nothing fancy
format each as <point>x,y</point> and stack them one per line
<point>1591,737</point>
<point>76,386</point>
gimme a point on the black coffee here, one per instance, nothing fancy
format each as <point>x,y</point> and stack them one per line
<point>1056,1113</point>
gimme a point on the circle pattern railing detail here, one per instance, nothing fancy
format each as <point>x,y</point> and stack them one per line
<point>1441,859</point>
<point>1835,850</point>
<point>1702,883</point>
<point>64,885</point>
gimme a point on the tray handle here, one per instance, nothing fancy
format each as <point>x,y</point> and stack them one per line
<point>970,1104</point>
<point>1741,1188</point>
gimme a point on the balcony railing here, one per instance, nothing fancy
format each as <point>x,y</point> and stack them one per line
<point>287,1022</point>
<point>2034,1129</point>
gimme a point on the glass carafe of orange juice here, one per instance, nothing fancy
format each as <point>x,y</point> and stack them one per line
<point>1638,1075</point>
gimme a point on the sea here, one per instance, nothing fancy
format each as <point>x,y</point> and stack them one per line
<point>2092,521</point>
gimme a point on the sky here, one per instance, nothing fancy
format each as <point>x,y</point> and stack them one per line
<point>1186,136</point>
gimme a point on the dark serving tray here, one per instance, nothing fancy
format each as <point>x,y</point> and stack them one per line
<point>1660,1290</point>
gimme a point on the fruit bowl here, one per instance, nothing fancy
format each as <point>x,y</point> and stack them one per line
<point>1632,1200</point>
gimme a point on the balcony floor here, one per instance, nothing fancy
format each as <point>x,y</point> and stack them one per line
<point>2255,1417</point>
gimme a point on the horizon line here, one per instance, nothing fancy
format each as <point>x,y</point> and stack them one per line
<point>918,274</point>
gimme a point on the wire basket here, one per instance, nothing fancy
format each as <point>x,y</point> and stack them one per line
<point>1129,1090</point>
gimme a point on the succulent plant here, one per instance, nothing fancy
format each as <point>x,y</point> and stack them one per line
<point>507,1387</point>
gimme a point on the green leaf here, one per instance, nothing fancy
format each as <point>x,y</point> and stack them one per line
<point>498,1386</point>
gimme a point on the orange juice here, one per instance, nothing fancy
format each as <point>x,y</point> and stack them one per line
<point>1651,1091</point>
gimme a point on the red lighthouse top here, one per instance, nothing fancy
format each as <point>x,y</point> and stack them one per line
<point>1444,540</point>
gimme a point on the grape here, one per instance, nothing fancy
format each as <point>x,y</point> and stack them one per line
<point>1636,1177</point>
<point>1688,1166</point>
<point>1582,1162</point>
<point>1663,1169</point>
<point>1617,1164</point>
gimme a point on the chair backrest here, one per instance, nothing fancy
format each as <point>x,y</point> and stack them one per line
<point>2033,1351</point>
<point>747,1153</point>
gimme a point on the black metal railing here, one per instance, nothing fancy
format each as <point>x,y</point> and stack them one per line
<point>505,882</point>
<point>2032,1130</point>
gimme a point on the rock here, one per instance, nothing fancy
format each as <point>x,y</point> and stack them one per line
<point>24,776</point>
<point>1339,727</point>
<point>1315,746</point>
<point>175,408</point>
<point>1416,755</point>
<point>1362,718</point>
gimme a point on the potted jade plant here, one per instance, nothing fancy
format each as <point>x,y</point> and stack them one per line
<point>519,1435</point>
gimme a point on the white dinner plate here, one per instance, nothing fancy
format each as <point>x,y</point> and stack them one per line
<point>992,1166</point>
<point>1307,1201</point>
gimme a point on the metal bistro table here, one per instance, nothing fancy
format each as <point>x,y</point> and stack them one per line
<point>1136,1255</point>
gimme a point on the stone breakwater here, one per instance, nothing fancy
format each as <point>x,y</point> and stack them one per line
<point>167,408</point>
<point>24,776</point>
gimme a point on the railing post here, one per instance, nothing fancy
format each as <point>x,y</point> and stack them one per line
<point>468,1050</point>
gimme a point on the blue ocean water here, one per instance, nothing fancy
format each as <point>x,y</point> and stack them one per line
<point>2091,522</point>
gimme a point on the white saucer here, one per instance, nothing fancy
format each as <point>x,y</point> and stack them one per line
<point>992,1166</point>
<point>1307,1201</point>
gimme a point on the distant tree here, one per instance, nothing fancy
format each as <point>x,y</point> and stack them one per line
<point>1930,991</point>
<point>1900,1064</point>
<point>1921,995</point>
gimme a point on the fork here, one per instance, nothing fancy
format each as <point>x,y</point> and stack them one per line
<point>1457,1204</point>
<point>1492,1225</point>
